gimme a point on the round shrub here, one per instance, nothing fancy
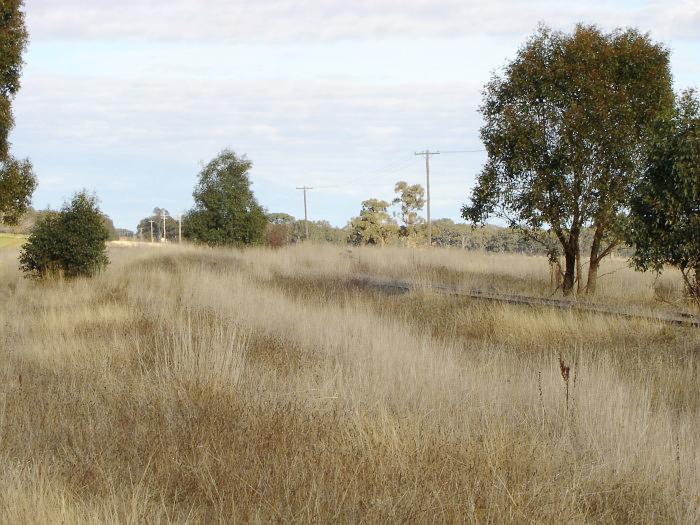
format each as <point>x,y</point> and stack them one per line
<point>70,242</point>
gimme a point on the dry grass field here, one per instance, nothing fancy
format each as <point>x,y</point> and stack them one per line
<point>194,385</point>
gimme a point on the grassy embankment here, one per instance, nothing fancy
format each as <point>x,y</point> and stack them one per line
<point>10,240</point>
<point>202,385</point>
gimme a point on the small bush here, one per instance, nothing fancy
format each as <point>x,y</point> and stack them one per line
<point>277,235</point>
<point>70,242</point>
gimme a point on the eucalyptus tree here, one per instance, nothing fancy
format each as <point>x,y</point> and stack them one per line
<point>567,125</point>
<point>411,200</point>
<point>665,211</point>
<point>225,210</point>
<point>17,180</point>
<point>374,225</point>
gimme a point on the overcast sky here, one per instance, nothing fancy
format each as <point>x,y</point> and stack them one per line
<point>128,98</point>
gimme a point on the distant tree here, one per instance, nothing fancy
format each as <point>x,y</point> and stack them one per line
<point>280,218</point>
<point>17,180</point>
<point>172,226</point>
<point>295,230</point>
<point>124,232</point>
<point>17,183</point>
<point>13,42</point>
<point>25,223</point>
<point>665,212</point>
<point>226,211</point>
<point>447,233</point>
<point>277,234</point>
<point>70,242</point>
<point>109,225</point>
<point>374,224</point>
<point>319,232</point>
<point>411,199</point>
<point>567,127</point>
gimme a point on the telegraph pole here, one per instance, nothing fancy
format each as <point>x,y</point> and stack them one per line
<point>179,229</point>
<point>151,221</point>
<point>164,237</point>
<point>306,216</point>
<point>427,154</point>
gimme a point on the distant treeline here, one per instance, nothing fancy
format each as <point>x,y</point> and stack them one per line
<point>29,219</point>
<point>284,229</point>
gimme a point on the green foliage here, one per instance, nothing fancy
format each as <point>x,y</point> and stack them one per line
<point>411,199</point>
<point>226,211</point>
<point>277,235</point>
<point>665,218</point>
<point>284,228</point>
<point>69,242</point>
<point>487,238</point>
<point>25,224</point>
<point>125,232</point>
<point>17,183</point>
<point>280,218</point>
<point>109,226</point>
<point>13,42</point>
<point>374,224</point>
<point>30,217</point>
<point>319,232</point>
<point>567,127</point>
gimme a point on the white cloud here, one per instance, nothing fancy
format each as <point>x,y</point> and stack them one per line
<point>331,93</point>
<point>334,134</point>
<point>158,113</point>
<point>293,20</point>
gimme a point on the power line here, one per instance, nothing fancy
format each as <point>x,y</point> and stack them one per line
<point>392,168</point>
<point>462,151</point>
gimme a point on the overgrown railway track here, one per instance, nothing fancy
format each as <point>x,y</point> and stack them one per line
<point>675,318</point>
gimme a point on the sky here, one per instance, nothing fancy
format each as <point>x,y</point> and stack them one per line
<point>128,99</point>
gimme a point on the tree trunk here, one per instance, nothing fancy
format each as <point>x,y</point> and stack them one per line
<point>579,272</point>
<point>592,277</point>
<point>570,246</point>
<point>569,271</point>
<point>555,274</point>
<point>697,283</point>
<point>594,262</point>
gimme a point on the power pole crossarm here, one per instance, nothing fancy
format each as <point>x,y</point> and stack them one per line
<point>306,215</point>
<point>427,154</point>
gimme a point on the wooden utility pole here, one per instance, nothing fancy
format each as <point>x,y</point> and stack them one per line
<point>179,229</point>
<point>306,216</point>
<point>427,155</point>
<point>164,237</point>
<point>151,221</point>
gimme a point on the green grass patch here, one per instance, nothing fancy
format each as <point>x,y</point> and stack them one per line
<point>10,240</point>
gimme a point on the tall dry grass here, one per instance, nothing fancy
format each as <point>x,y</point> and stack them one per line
<point>193,385</point>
